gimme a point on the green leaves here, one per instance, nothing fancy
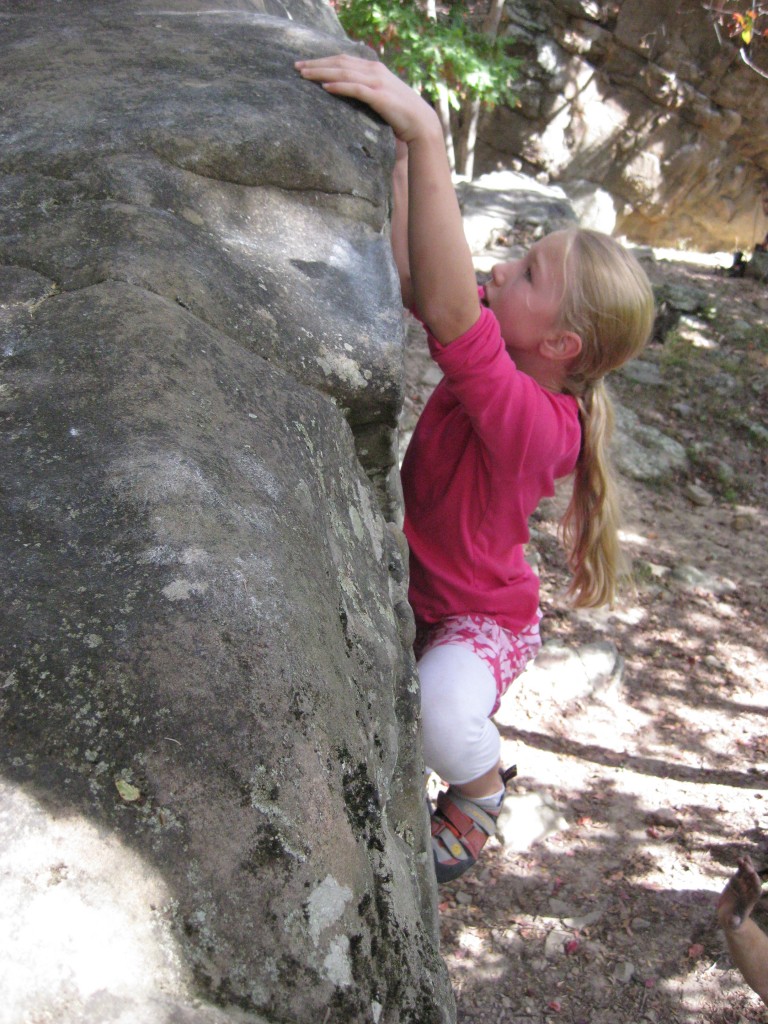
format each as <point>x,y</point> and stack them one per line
<point>431,52</point>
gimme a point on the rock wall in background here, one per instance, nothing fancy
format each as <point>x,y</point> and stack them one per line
<point>636,106</point>
<point>211,805</point>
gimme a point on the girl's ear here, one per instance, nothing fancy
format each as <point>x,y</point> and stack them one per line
<point>562,347</point>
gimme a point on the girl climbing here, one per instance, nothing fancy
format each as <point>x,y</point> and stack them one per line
<point>522,404</point>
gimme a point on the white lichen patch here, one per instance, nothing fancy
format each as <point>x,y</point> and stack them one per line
<point>326,906</point>
<point>182,590</point>
<point>337,965</point>
<point>301,429</point>
<point>342,255</point>
<point>371,525</point>
<point>338,365</point>
<point>161,555</point>
<point>194,556</point>
<point>192,216</point>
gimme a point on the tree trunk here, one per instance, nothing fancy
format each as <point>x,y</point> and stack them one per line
<point>466,135</point>
<point>444,113</point>
<point>466,138</point>
<point>442,106</point>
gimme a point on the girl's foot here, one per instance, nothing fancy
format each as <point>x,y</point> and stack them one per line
<point>460,829</point>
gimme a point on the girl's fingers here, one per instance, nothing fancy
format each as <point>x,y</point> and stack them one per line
<point>335,58</point>
<point>346,76</point>
<point>373,83</point>
<point>339,64</point>
<point>341,68</point>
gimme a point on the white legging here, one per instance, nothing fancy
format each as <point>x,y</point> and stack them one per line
<point>458,693</point>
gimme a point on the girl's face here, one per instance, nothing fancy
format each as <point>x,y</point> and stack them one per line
<point>526,295</point>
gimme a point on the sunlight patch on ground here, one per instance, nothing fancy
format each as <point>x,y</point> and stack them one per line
<point>602,618</point>
<point>700,259</point>
<point>633,538</point>
<point>696,333</point>
<point>725,610</point>
<point>470,940</point>
<point>476,957</point>
<point>703,622</point>
<point>630,615</point>
<point>745,663</point>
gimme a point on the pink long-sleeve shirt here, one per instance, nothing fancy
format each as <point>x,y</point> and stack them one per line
<point>487,448</point>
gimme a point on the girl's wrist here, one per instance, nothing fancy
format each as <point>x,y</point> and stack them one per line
<point>426,127</point>
<point>430,133</point>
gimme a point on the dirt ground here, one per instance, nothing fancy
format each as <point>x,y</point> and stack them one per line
<point>663,781</point>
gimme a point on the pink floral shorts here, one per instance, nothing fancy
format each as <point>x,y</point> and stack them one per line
<point>505,653</point>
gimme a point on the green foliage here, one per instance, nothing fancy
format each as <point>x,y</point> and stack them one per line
<point>745,23</point>
<point>428,53</point>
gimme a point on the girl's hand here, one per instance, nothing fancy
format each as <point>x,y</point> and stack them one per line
<point>371,82</point>
<point>430,249</point>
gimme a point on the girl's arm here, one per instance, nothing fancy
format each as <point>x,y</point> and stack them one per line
<point>400,223</point>
<point>441,269</point>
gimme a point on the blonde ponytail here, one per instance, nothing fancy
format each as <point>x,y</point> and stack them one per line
<point>609,303</point>
<point>590,526</point>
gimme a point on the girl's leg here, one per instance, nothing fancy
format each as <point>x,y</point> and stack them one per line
<point>461,743</point>
<point>462,746</point>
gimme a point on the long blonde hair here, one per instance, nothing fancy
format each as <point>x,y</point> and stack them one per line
<point>608,302</point>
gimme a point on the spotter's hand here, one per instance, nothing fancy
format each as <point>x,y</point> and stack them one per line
<point>372,83</point>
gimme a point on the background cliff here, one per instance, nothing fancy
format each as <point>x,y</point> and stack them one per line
<point>639,102</point>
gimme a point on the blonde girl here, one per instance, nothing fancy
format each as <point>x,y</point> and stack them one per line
<point>522,403</point>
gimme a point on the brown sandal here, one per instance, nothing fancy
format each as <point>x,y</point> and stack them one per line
<point>460,830</point>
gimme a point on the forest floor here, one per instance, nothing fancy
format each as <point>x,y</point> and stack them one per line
<point>661,780</point>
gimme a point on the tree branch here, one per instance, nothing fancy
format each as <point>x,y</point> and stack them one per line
<point>748,61</point>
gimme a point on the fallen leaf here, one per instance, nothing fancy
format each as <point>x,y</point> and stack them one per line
<point>695,951</point>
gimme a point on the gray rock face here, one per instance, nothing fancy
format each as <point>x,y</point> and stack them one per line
<point>495,206</point>
<point>210,774</point>
<point>640,100</point>
<point>642,452</point>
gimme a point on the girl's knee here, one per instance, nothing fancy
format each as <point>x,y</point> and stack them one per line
<point>454,676</point>
<point>458,696</point>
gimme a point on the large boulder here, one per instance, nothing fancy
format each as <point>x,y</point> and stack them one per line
<point>643,101</point>
<point>211,803</point>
